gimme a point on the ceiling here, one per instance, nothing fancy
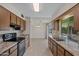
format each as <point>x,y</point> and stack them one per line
<point>46,9</point>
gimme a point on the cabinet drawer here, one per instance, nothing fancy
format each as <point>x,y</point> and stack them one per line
<point>18,21</point>
<point>13,48</point>
<point>13,19</point>
<point>4,18</point>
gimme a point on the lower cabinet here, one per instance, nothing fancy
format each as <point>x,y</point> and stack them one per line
<point>52,46</point>
<point>10,52</point>
<point>49,44</point>
<point>14,53</point>
<point>16,50</point>
<point>56,49</point>
<point>68,53</point>
<point>6,53</point>
<point>60,51</point>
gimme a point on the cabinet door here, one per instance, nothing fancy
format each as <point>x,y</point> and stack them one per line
<point>60,51</point>
<point>18,21</point>
<point>54,48</point>
<point>13,19</point>
<point>5,53</point>
<point>67,53</point>
<point>49,45</point>
<point>76,17</point>
<point>56,25</point>
<point>14,53</point>
<point>4,18</point>
<point>21,24</point>
<point>24,22</point>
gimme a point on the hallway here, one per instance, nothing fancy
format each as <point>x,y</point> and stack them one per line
<point>38,47</point>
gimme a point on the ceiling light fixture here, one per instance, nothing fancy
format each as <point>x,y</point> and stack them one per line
<point>36,7</point>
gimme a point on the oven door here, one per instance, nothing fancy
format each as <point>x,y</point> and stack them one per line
<point>21,48</point>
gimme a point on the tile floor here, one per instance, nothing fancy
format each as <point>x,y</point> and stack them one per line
<point>38,47</point>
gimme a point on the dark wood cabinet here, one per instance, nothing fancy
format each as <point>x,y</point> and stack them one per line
<point>4,18</point>
<point>13,18</point>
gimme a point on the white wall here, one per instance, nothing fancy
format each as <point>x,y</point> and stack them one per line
<point>37,32</point>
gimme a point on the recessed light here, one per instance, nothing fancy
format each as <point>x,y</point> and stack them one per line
<point>36,7</point>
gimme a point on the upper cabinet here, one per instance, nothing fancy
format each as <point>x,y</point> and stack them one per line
<point>13,19</point>
<point>23,23</point>
<point>76,17</point>
<point>56,25</point>
<point>18,21</point>
<point>8,19</point>
<point>4,18</point>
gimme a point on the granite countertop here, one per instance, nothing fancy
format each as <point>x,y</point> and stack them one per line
<point>69,45</point>
<point>6,45</point>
